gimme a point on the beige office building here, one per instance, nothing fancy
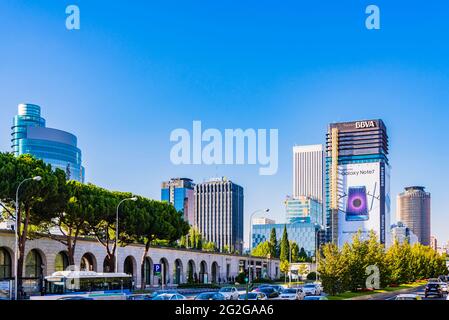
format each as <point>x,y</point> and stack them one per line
<point>413,209</point>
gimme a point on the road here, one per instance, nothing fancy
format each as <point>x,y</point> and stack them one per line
<point>420,291</point>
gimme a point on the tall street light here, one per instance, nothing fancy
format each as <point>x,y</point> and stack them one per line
<point>16,238</point>
<point>116,230</point>
<point>250,238</point>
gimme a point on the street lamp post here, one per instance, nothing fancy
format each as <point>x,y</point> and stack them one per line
<point>16,237</point>
<point>250,238</point>
<point>116,230</point>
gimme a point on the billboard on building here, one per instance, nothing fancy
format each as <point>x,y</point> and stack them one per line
<point>361,200</point>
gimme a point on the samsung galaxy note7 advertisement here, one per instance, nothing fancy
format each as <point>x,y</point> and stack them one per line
<point>361,200</point>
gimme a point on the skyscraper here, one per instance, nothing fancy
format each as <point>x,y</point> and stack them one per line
<point>357,180</point>
<point>219,213</point>
<point>179,192</point>
<point>413,208</point>
<point>308,172</point>
<point>55,147</point>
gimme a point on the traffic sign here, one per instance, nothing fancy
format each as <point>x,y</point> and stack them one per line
<point>157,268</point>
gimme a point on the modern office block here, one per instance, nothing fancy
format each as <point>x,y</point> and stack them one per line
<point>413,209</point>
<point>179,192</point>
<point>55,147</point>
<point>219,213</point>
<point>357,181</point>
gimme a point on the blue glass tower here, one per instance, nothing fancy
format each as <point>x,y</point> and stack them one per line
<point>55,147</point>
<point>179,192</point>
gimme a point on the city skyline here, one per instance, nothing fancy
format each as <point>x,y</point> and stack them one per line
<point>123,126</point>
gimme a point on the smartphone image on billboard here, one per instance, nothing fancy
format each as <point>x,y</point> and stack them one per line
<point>357,205</point>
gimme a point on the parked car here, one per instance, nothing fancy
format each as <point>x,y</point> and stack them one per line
<point>444,286</point>
<point>159,292</point>
<point>230,293</point>
<point>270,292</point>
<point>253,296</point>
<point>73,298</point>
<point>140,297</point>
<point>433,288</point>
<point>408,297</point>
<point>292,294</point>
<point>313,298</point>
<point>210,296</point>
<point>278,288</point>
<point>170,296</point>
<point>311,289</point>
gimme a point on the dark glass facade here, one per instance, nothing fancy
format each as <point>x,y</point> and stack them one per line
<point>55,147</point>
<point>179,192</point>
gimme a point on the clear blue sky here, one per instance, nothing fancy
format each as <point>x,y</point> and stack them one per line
<point>137,70</point>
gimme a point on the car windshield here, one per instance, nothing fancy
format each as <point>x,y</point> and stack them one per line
<point>162,297</point>
<point>289,291</point>
<point>226,290</point>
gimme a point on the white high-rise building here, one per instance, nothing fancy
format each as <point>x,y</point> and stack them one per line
<point>308,172</point>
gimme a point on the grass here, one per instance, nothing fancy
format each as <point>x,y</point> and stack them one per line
<point>350,294</point>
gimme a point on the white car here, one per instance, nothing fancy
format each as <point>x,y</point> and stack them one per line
<point>292,294</point>
<point>311,289</point>
<point>444,287</point>
<point>230,293</point>
<point>408,297</point>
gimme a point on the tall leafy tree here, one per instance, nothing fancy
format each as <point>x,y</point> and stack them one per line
<point>80,200</point>
<point>285,246</point>
<point>295,251</point>
<point>263,249</point>
<point>33,196</point>
<point>149,220</point>
<point>274,244</point>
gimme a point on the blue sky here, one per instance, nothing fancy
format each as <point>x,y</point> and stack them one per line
<point>134,72</point>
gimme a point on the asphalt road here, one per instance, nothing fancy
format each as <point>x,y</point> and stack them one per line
<point>420,291</point>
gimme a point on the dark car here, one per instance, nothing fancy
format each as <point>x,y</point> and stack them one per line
<point>270,292</point>
<point>433,288</point>
<point>210,296</point>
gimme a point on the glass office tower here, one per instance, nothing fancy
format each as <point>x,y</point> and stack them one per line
<point>357,180</point>
<point>179,192</point>
<point>55,147</point>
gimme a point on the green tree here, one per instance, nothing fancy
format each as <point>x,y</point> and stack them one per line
<point>333,270</point>
<point>285,248</point>
<point>71,221</point>
<point>263,249</point>
<point>34,196</point>
<point>209,246</point>
<point>295,251</point>
<point>274,244</point>
<point>302,256</point>
<point>149,220</point>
